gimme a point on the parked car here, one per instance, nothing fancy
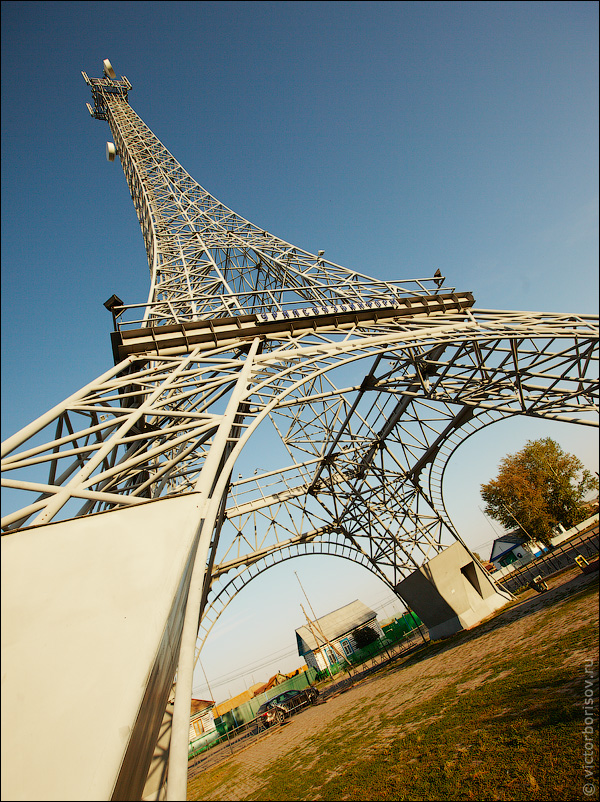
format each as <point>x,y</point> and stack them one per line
<point>280,707</point>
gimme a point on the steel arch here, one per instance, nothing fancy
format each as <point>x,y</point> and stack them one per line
<point>222,596</point>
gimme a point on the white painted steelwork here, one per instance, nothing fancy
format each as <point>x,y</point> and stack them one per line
<point>91,613</point>
<point>359,390</point>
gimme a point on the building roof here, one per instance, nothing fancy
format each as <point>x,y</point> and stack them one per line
<point>334,625</point>
<point>199,705</point>
<point>276,679</point>
<point>235,701</point>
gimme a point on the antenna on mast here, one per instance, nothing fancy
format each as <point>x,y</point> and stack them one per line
<point>108,69</point>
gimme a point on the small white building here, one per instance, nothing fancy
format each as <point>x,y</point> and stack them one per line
<point>202,718</point>
<point>338,629</point>
<point>514,548</point>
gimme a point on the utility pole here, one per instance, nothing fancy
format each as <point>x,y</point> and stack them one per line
<point>207,683</point>
<point>334,648</point>
<point>314,634</point>
<point>306,597</point>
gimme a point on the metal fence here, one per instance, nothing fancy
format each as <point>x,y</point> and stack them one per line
<point>233,734</point>
<point>553,561</point>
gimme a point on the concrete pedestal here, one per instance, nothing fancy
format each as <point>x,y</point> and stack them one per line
<point>451,592</point>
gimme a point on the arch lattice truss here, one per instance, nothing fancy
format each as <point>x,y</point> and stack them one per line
<point>354,391</point>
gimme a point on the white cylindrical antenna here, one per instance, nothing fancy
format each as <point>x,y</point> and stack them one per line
<point>108,70</point>
<point>111,152</point>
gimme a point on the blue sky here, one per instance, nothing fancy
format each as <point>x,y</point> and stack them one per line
<point>398,137</point>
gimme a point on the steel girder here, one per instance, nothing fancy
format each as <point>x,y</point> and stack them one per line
<point>143,430</point>
<point>390,461</point>
<point>362,463</point>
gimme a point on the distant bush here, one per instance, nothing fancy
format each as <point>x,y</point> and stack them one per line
<point>364,636</point>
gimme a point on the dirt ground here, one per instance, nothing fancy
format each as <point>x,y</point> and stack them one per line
<point>524,623</point>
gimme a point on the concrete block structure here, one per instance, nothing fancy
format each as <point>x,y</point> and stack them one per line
<point>92,612</point>
<point>451,592</point>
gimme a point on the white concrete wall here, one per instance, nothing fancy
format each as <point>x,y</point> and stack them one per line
<point>86,605</point>
<point>575,530</point>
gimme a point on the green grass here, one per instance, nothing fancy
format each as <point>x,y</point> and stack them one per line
<point>207,782</point>
<point>532,751</point>
<point>518,736</point>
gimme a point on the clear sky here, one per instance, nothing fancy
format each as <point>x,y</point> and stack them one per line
<point>398,137</point>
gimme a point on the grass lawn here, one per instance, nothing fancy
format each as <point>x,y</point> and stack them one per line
<point>518,735</point>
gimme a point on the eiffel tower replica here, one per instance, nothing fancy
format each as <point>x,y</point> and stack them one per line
<point>134,527</point>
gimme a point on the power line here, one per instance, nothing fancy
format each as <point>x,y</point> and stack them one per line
<point>241,672</point>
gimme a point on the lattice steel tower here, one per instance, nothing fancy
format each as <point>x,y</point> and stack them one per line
<point>359,391</point>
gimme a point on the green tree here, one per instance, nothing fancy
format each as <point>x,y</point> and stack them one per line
<point>537,489</point>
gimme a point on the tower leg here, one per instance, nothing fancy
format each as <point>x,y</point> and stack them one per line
<point>155,789</point>
<point>92,615</point>
<point>212,484</point>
